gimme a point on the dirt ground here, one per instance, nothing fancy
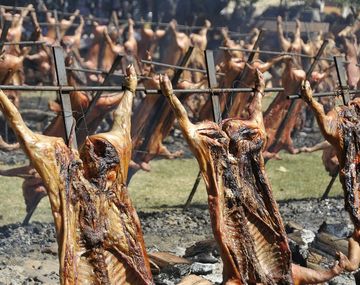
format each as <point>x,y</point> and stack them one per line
<point>29,254</point>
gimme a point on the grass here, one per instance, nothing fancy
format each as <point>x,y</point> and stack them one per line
<point>170,181</point>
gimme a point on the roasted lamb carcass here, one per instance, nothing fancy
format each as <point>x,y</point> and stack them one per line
<point>16,28</point>
<point>33,186</point>
<point>285,44</point>
<point>241,99</point>
<point>276,113</point>
<point>98,231</point>
<point>244,215</point>
<point>341,128</point>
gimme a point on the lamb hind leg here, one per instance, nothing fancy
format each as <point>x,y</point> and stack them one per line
<point>302,275</point>
<point>8,147</point>
<point>176,105</point>
<point>353,261</point>
<point>284,43</point>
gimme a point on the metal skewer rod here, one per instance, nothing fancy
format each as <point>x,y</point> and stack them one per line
<point>275,53</point>
<point>95,71</point>
<point>42,24</point>
<point>176,66</point>
<point>28,43</point>
<point>120,88</point>
<point>16,8</point>
<point>103,72</point>
<point>324,94</point>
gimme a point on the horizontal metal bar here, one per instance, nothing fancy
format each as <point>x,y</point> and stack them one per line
<point>120,88</point>
<point>95,71</point>
<point>172,66</point>
<point>225,90</point>
<point>103,72</point>
<point>323,94</point>
<point>275,53</point>
<point>16,8</point>
<point>64,88</point>
<point>177,66</point>
<point>42,24</point>
<point>28,43</point>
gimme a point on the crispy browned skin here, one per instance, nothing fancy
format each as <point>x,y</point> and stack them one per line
<point>199,42</point>
<point>6,146</point>
<point>111,49</point>
<point>278,108</point>
<point>148,41</point>
<point>98,231</point>
<point>285,44</point>
<point>241,100</point>
<point>232,67</point>
<point>11,69</point>
<point>64,24</point>
<point>72,42</point>
<point>151,123</point>
<point>244,216</point>
<point>352,69</point>
<point>16,28</point>
<point>341,128</point>
<point>177,45</point>
<point>33,187</point>
<point>93,59</point>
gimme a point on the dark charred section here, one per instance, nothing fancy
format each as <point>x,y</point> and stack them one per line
<point>100,270</point>
<point>87,189</point>
<point>99,156</point>
<point>350,129</point>
<point>253,231</point>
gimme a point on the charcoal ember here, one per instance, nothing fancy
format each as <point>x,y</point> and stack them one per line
<point>163,279</point>
<point>202,268</point>
<point>340,230</point>
<point>344,279</point>
<point>208,246</point>
<point>205,257</point>
<point>299,242</point>
<point>177,271</point>
<point>297,257</point>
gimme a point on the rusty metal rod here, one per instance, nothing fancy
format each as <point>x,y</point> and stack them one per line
<point>103,72</point>
<point>120,88</point>
<point>323,94</point>
<point>16,8</point>
<point>95,71</point>
<point>28,43</point>
<point>275,53</point>
<point>42,24</point>
<point>176,66</point>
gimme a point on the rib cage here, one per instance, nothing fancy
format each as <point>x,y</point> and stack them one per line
<point>231,162</point>
<point>349,126</point>
<point>252,227</point>
<point>119,273</point>
<point>267,251</point>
